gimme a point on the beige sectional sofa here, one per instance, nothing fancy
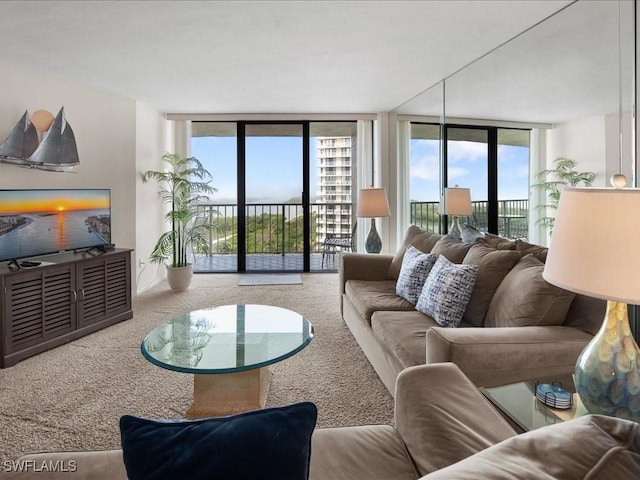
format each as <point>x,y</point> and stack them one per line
<point>515,327</point>
<point>444,429</point>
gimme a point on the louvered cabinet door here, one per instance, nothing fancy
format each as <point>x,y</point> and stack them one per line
<point>54,304</point>
<point>39,306</point>
<point>104,288</point>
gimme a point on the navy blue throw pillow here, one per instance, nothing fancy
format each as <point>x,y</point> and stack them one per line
<point>274,443</point>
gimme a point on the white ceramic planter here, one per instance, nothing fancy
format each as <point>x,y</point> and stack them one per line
<point>179,278</point>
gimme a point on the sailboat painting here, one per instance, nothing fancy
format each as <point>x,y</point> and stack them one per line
<point>21,142</point>
<point>57,152</point>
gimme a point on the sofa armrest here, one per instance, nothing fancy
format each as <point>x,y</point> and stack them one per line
<point>499,356</point>
<point>363,266</point>
<point>443,418</point>
<point>89,465</point>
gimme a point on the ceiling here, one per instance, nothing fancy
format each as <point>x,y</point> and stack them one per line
<point>244,57</point>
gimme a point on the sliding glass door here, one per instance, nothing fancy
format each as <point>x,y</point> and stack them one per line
<point>467,156</point>
<point>284,199</point>
<point>274,207</point>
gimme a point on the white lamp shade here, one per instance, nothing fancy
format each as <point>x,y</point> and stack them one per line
<point>457,201</point>
<point>595,245</point>
<point>372,202</point>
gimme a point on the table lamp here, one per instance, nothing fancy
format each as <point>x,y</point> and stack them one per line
<point>457,201</point>
<point>372,203</point>
<point>594,251</point>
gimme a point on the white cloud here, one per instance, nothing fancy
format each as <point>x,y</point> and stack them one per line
<point>457,172</point>
<point>467,151</point>
<point>426,167</point>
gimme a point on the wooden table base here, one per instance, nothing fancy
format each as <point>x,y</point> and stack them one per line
<point>229,393</point>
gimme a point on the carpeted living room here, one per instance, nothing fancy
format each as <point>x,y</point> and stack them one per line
<point>91,382</point>
<point>319,240</point>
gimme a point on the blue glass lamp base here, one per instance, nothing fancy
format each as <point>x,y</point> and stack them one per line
<point>607,375</point>
<point>373,244</point>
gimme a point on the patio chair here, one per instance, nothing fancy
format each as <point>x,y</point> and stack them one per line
<point>339,242</point>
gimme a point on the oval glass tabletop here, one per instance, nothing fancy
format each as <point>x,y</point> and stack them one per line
<point>227,339</point>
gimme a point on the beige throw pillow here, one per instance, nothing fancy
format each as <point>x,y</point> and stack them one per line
<point>421,239</point>
<point>453,249</point>
<point>498,242</point>
<point>493,266</point>
<point>538,251</point>
<point>524,298</point>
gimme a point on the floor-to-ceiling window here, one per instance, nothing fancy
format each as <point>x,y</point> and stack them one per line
<point>425,176</point>
<point>215,145</point>
<point>332,157</point>
<point>513,182</point>
<point>284,189</point>
<point>492,162</point>
<point>467,166</point>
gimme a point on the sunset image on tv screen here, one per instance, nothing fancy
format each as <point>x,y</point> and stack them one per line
<point>37,222</point>
<point>40,201</point>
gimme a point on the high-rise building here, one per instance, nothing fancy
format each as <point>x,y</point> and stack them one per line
<point>334,160</point>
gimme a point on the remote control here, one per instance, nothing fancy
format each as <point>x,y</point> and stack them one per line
<point>29,263</point>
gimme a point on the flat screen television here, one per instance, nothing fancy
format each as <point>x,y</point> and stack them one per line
<point>40,222</point>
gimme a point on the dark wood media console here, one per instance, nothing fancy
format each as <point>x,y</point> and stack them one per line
<point>67,296</point>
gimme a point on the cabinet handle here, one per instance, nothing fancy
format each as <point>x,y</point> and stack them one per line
<point>81,294</point>
<point>75,295</point>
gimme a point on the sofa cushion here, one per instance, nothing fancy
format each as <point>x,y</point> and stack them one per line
<point>421,239</point>
<point>364,451</point>
<point>415,268</point>
<point>593,446</point>
<point>453,249</point>
<point>498,242</point>
<point>404,334</point>
<point>447,291</point>
<point>273,443</point>
<point>525,298</point>
<point>493,266</point>
<point>370,296</point>
<point>586,314</point>
<point>470,234</point>
<point>537,251</point>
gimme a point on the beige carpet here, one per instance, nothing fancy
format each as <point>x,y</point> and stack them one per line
<point>71,398</point>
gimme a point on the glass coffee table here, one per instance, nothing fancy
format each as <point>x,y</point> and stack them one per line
<point>518,403</point>
<point>228,350</point>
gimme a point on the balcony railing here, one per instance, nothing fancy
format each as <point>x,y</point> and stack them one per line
<point>272,228</point>
<point>276,228</point>
<point>513,217</point>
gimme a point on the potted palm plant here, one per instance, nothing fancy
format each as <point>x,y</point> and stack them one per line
<point>552,181</point>
<point>182,186</point>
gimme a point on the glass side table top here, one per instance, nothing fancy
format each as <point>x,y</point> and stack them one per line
<point>227,339</point>
<point>518,401</point>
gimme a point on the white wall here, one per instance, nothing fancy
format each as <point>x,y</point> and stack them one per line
<point>105,129</point>
<point>594,142</point>
<point>151,133</point>
<point>584,141</point>
<point>615,164</point>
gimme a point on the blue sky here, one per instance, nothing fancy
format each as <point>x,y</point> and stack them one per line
<point>468,169</point>
<point>274,168</point>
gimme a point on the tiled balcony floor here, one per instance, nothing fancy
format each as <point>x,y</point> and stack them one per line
<point>291,262</point>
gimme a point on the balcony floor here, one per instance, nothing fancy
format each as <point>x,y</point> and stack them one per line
<point>291,262</point>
